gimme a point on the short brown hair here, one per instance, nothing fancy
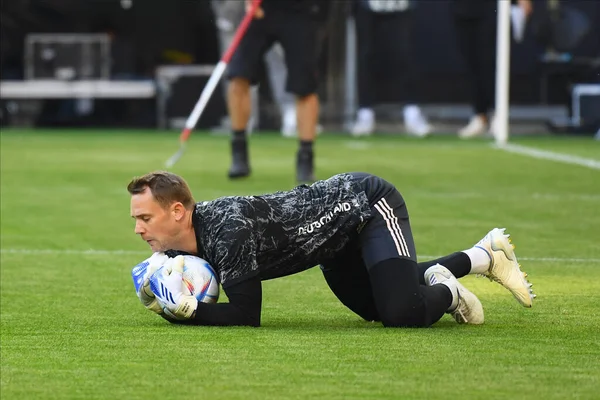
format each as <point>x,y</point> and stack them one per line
<point>166,188</point>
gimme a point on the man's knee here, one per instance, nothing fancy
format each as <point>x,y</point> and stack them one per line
<point>397,294</point>
<point>238,86</point>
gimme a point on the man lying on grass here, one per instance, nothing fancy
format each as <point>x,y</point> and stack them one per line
<point>355,226</point>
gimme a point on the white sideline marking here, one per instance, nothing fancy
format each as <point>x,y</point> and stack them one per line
<point>546,259</point>
<point>551,259</point>
<point>359,144</point>
<point>515,195</point>
<point>118,252</point>
<point>550,155</point>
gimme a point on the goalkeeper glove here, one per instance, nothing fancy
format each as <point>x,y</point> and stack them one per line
<point>141,274</point>
<point>167,286</point>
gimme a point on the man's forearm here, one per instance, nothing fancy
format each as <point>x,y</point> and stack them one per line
<point>243,309</point>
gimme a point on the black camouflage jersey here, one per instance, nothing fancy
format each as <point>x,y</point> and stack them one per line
<point>283,233</point>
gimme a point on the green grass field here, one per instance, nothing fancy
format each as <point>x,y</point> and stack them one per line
<point>72,327</point>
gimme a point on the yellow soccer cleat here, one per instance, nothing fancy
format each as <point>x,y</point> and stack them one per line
<point>504,267</point>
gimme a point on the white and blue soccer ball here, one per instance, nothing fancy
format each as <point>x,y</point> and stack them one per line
<point>200,280</point>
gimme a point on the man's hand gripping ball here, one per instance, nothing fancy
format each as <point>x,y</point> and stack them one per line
<point>168,287</point>
<point>141,274</point>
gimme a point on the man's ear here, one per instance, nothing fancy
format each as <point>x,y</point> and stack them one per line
<point>178,211</point>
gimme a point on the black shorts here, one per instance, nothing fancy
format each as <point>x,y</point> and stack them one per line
<point>297,34</point>
<point>387,234</point>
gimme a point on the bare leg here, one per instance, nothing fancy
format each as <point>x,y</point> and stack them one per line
<point>239,104</point>
<point>307,109</point>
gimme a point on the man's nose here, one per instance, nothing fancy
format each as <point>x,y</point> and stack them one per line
<point>139,229</point>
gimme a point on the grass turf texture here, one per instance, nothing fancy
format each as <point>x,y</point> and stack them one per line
<point>72,328</point>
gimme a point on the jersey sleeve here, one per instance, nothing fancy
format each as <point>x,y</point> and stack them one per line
<point>243,309</point>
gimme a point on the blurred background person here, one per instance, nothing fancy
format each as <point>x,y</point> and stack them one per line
<point>293,24</point>
<point>384,31</point>
<point>475,22</point>
<point>229,14</point>
<point>285,101</point>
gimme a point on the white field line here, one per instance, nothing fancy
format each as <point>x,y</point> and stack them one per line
<point>512,195</point>
<point>359,144</point>
<point>148,253</point>
<point>550,155</point>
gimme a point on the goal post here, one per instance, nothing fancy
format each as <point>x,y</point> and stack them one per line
<point>501,133</point>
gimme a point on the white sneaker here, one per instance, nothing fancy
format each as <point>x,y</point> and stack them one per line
<point>504,267</point>
<point>476,127</point>
<point>365,123</point>
<point>466,307</point>
<point>415,122</point>
<point>288,123</point>
<point>362,128</point>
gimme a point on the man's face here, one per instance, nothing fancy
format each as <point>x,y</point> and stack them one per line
<point>156,225</point>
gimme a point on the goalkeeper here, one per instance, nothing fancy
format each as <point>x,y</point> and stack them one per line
<point>354,225</point>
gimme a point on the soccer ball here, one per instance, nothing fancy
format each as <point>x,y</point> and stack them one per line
<point>200,280</point>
